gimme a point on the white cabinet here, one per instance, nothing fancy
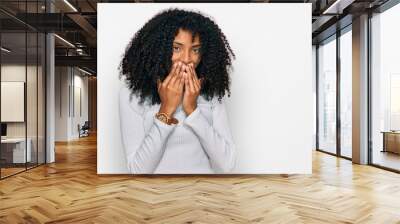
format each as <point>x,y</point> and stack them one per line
<point>18,149</point>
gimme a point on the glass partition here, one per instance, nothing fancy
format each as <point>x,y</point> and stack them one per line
<point>22,78</point>
<point>327,96</point>
<point>13,108</point>
<point>385,89</point>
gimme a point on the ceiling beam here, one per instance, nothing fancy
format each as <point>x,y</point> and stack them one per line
<point>85,25</point>
<point>85,61</point>
<point>317,25</point>
<point>337,6</point>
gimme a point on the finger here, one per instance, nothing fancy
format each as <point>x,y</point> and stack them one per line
<point>173,81</point>
<point>194,74</point>
<point>185,68</point>
<point>193,70</point>
<point>170,75</point>
<point>179,76</point>
<point>181,83</point>
<point>191,83</point>
<point>179,68</point>
<point>174,68</point>
<point>175,76</point>
<point>186,81</point>
<point>190,70</point>
<point>195,82</point>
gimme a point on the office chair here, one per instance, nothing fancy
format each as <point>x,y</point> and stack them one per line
<point>84,130</point>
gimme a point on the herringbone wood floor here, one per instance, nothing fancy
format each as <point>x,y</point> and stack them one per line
<point>70,191</point>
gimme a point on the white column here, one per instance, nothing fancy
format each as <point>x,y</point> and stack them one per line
<point>50,100</point>
<point>50,93</point>
<point>360,90</point>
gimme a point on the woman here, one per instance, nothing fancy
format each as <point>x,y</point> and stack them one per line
<point>173,118</point>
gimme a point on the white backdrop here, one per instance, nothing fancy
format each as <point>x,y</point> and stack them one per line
<point>270,109</point>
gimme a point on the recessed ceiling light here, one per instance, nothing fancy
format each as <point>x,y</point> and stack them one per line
<point>70,5</point>
<point>5,50</point>
<point>64,40</point>
<point>84,71</point>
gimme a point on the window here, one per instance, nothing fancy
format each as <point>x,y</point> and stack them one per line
<point>385,89</point>
<point>327,96</point>
<point>346,93</point>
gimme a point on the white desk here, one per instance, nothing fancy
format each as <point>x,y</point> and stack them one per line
<point>18,145</point>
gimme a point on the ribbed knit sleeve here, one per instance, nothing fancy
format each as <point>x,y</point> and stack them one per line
<point>143,150</point>
<point>215,138</point>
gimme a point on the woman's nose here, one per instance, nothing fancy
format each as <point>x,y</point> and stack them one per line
<point>186,58</point>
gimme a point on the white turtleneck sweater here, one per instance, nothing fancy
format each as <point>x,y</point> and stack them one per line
<point>200,143</point>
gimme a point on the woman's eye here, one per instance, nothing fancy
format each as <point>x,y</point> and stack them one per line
<point>196,50</point>
<point>176,48</point>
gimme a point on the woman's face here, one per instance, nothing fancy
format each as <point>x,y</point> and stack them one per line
<point>185,50</point>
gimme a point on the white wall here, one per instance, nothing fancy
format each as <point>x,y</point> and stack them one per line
<point>314,87</point>
<point>68,80</point>
<point>270,111</point>
<point>79,117</point>
<point>61,103</point>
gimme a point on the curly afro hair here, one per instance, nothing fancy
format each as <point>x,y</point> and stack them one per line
<point>148,55</point>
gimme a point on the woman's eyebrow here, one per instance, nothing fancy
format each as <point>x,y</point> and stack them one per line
<point>196,45</point>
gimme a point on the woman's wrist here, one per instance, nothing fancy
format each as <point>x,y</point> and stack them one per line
<point>190,110</point>
<point>167,110</point>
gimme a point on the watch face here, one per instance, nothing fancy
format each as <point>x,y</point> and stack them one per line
<point>162,117</point>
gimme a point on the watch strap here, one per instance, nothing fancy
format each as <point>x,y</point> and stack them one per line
<point>166,119</point>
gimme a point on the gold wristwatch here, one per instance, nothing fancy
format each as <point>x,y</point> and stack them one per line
<point>166,119</point>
